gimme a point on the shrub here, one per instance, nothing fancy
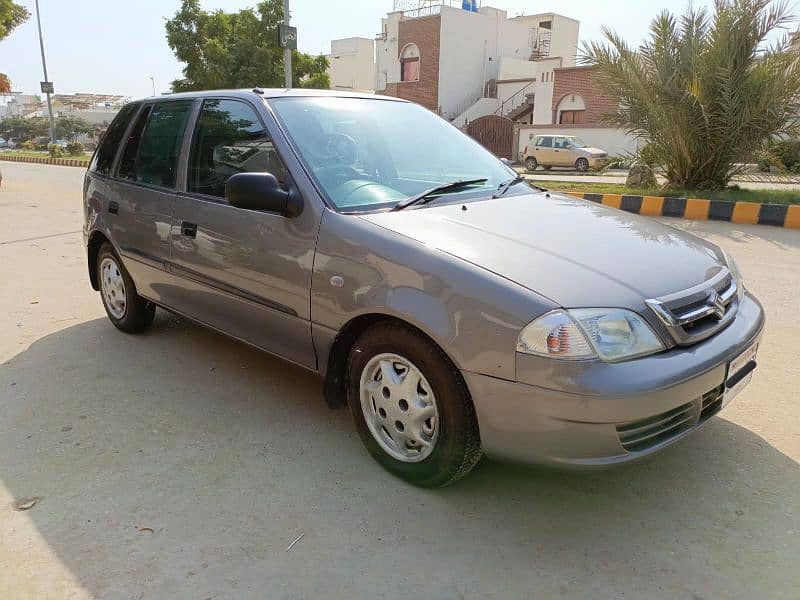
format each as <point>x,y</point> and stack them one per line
<point>55,151</point>
<point>74,148</point>
<point>28,145</point>
<point>783,154</point>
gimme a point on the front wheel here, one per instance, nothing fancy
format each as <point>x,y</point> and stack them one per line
<point>127,310</point>
<point>582,165</point>
<point>531,163</point>
<point>411,407</point>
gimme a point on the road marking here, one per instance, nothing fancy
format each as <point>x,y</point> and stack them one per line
<point>40,237</point>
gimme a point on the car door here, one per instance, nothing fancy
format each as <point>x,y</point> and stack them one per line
<point>142,194</point>
<point>544,150</point>
<point>560,152</point>
<point>244,272</point>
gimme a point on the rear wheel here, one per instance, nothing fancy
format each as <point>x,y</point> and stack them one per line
<point>411,406</point>
<point>531,163</point>
<point>127,310</point>
<point>582,165</point>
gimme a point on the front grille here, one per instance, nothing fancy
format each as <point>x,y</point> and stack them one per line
<point>697,313</point>
<point>712,402</point>
<point>636,436</point>
<point>645,433</point>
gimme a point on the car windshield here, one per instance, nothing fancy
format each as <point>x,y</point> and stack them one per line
<point>370,154</point>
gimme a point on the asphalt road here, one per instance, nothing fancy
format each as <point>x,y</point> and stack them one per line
<point>180,464</point>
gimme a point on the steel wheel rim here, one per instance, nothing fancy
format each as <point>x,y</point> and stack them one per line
<point>113,287</point>
<point>399,407</point>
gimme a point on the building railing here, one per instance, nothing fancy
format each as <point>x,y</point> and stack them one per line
<point>514,100</point>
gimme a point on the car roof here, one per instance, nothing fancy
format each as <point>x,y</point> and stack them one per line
<point>272,93</point>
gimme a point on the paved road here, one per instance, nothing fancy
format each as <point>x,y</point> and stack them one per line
<point>180,464</point>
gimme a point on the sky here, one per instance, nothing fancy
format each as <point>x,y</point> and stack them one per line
<point>116,46</point>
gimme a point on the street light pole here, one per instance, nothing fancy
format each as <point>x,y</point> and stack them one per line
<point>287,52</point>
<point>153,79</point>
<point>44,67</point>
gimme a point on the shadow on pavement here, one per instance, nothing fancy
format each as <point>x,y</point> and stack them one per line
<point>182,464</point>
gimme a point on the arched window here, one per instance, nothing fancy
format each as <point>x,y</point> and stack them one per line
<point>571,110</point>
<point>409,63</point>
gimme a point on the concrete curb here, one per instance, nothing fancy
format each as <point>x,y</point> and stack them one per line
<point>752,213</point>
<point>64,162</point>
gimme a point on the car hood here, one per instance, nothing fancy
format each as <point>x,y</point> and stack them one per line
<point>574,252</point>
<point>592,151</point>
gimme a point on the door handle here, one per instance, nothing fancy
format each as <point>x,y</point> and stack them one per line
<point>188,229</point>
<point>113,207</point>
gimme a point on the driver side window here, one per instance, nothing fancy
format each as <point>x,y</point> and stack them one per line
<point>229,139</point>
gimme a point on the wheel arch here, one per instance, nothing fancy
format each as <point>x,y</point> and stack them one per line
<point>96,240</point>
<point>336,364</point>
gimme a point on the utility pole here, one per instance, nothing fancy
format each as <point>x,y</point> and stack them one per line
<point>153,79</point>
<point>44,67</point>
<point>287,52</point>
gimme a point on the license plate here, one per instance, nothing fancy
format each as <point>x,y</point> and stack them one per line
<point>736,382</point>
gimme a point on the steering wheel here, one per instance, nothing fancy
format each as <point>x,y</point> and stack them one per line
<point>339,150</point>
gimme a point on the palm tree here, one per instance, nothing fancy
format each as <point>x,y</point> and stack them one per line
<point>705,91</point>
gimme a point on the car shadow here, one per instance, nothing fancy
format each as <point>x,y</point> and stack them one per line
<point>180,463</point>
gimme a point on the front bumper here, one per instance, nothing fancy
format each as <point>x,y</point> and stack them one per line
<point>597,163</point>
<point>593,414</point>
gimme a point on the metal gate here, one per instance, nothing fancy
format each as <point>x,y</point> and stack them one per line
<point>495,133</point>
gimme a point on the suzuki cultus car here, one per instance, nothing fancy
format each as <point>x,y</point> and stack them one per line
<point>454,308</point>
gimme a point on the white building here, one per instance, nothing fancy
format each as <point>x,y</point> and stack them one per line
<point>352,64</point>
<point>466,64</point>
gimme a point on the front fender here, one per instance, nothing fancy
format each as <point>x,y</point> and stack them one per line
<point>474,315</point>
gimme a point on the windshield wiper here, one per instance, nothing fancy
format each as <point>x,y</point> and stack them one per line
<point>508,185</point>
<point>427,195</point>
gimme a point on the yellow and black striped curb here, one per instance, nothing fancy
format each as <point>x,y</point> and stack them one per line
<point>42,160</point>
<point>754,213</point>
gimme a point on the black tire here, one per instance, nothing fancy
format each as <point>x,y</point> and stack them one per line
<point>457,449</point>
<point>531,164</point>
<point>582,165</point>
<point>138,313</point>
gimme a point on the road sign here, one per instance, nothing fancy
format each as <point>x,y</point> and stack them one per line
<point>288,36</point>
<point>47,87</point>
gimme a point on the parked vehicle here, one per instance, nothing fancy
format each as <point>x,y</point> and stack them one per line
<point>453,307</point>
<point>562,151</point>
<point>4,143</point>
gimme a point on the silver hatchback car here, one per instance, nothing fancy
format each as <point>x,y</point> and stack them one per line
<point>456,309</point>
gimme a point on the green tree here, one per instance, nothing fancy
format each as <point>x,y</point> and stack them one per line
<point>704,90</point>
<point>22,128</point>
<point>12,15</point>
<point>236,50</point>
<point>71,127</point>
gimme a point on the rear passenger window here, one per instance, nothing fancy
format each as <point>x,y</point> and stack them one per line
<point>229,139</point>
<point>107,150</point>
<point>152,151</point>
<point>127,164</point>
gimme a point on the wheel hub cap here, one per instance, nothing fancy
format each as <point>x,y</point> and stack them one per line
<point>399,407</point>
<point>113,287</point>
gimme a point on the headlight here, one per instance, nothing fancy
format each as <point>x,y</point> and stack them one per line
<point>737,275</point>
<point>611,334</point>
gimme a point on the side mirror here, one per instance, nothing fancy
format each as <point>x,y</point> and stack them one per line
<point>506,161</point>
<point>261,191</point>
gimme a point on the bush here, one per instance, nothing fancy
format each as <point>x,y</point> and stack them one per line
<point>28,145</point>
<point>55,151</point>
<point>74,148</point>
<point>783,154</point>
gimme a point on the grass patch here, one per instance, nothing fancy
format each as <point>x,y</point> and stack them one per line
<point>42,154</point>
<point>733,195</point>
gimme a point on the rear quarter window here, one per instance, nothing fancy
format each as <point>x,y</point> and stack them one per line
<point>103,157</point>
